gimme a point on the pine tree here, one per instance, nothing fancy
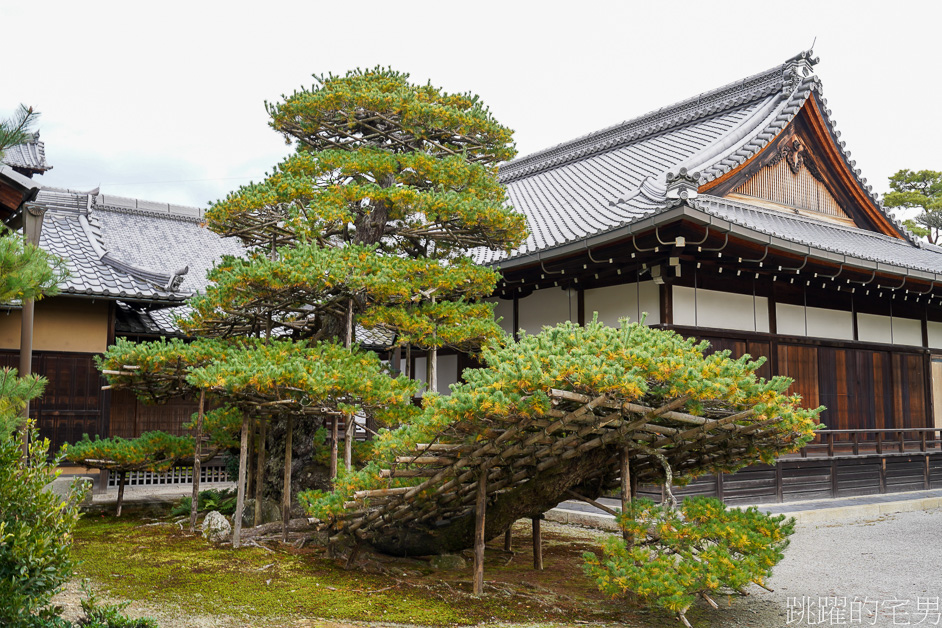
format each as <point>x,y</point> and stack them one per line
<point>368,225</point>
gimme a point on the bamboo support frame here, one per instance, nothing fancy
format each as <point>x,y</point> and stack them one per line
<point>451,473</point>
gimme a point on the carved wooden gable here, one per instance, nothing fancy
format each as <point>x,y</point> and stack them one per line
<point>792,177</point>
<point>802,171</point>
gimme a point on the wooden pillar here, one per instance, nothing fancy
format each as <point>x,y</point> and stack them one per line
<point>625,489</point>
<point>666,298</point>
<point>508,538</point>
<point>348,432</point>
<point>333,447</point>
<point>240,499</point>
<point>479,508</point>
<point>537,544</point>
<point>260,468</point>
<point>197,451</point>
<point>286,489</point>
<point>32,227</point>
<point>123,478</point>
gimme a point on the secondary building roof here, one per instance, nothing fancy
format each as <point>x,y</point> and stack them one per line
<point>149,255</point>
<point>602,185</point>
<point>29,158</point>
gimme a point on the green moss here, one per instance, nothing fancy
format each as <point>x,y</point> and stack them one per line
<point>163,566</point>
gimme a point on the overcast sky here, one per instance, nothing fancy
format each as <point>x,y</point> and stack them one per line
<point>165,101</point>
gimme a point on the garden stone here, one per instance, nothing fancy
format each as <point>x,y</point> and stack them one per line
<point>216,527</point>
<point>62,487</point>
<point>271,512</point>
<point>448,562</point>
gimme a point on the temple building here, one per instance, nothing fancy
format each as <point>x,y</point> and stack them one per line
<point>737,216</point>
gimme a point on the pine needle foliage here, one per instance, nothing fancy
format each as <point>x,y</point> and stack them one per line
<point>15,130</point>
<point>632,363</point>
<point>700,549</point>
<point>390,186</point>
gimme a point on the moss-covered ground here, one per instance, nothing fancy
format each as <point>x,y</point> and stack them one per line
<point>158,563</point>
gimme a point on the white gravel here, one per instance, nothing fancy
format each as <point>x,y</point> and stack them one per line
<point>891,564</point>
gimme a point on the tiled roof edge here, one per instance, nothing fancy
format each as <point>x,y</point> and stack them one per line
<point>701,106</point>
<point>703,203</point>
<point>148,208</point>
<point>29,156</point>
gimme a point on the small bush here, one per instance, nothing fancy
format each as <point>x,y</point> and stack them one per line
<point>101,615</point>
<point>224,501</point>
<point>697,550</point>
<point>35,530</point>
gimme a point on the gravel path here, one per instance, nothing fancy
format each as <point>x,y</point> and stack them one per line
<point>891,564</point>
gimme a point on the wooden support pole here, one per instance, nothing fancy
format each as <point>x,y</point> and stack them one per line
<point>260,468</point>
<point>197,450</point>
<point>252,472</point>
<point>348,432</point>
<point>537,544</point>
<point>240,499</point>
<point>480,507</point>
<point>286,490</point>
<point>121,482</point>
<point>626,495</point>
<point>333,447</point>
<point>508,539</point>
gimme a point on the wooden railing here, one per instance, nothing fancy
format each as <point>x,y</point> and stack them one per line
<point>839,443</point>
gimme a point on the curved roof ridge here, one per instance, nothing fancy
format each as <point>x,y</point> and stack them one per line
<point>29,156</point>
<point>140,206</point>
<point>703,105</point>
<point>167,281</point>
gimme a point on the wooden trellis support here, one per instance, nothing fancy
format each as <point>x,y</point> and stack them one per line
<point>537,543</point>
<point>479,514</point>
<point>450,472</point>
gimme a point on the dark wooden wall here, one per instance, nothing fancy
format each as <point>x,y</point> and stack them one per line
<point>130,417</point>
<point>862,388</point>
<point>73,403</point>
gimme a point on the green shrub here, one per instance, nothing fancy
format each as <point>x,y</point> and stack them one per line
<point>224,501</point>
<point>694,551</point>
<point>35,530</point>
<point>101,615</point>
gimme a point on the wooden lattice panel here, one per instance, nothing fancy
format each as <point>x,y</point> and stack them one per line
<point>779,183</point>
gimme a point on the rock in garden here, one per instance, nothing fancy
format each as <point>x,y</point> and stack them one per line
<point>448,562</point>
<point>216,528</point>
<point>271,511</point>
<point>62,486</point>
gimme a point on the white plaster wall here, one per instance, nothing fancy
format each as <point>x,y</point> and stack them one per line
<point>907,331</point>
<point>505,311</point>
<point>650,302</point>
<point>823,323</point>
<point>720,310</point>
<point>546,307</point>
<point>791,320</point>
<point>623,301</point>
<point>874,328</point>
<point>420,373</point>
<point>615,302</point>
<point>935,338</point>
<point>447,373</point>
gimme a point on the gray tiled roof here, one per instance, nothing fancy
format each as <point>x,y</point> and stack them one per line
<point>161,236</point>
<point>130,249</point>
<point>844,240</point>
<point>597,183</point>
<point>72,231</point>
<point>30,156</point>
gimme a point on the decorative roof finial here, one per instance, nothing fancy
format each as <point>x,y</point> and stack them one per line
<point>681,186</point>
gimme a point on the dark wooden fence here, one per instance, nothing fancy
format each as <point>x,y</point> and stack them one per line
<point>838,463</point>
